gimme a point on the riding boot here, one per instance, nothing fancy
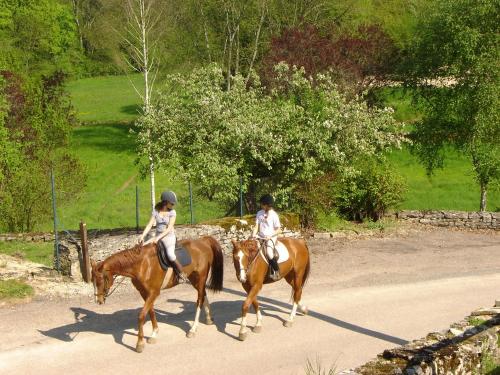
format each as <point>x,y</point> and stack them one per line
<point>181,276</point>
<point>275,269</point>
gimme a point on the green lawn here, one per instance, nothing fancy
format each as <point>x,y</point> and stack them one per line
<point>106,99</point>
<point>108,201</point>
<point>105,145</point>
<point>38,252</point>
<point>14,289</point>
<point>451,188</point>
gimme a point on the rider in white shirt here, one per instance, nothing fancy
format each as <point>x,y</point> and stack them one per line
<point>267,227</point>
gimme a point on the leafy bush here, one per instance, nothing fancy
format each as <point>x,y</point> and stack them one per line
<point>304,129</point>
<point>368,192</point>
<point>35,125</point>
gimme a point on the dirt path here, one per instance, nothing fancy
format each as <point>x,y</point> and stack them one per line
<point>364,296</point>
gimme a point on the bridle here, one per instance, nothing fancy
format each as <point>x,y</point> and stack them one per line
<point>252,260</point>
<point>107,293</point>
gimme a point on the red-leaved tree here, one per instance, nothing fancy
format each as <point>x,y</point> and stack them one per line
<point>356,60</point>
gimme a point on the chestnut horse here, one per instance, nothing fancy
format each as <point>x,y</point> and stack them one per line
<point>141,264</point>
<point>252,271</point>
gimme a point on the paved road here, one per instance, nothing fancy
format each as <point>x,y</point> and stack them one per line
<point>364,296</point>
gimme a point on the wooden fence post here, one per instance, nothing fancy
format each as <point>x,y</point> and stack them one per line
<point>85,252</point>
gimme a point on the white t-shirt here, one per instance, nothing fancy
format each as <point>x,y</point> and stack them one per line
<point>268,222</point>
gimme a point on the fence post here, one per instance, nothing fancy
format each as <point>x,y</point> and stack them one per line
<point>241,196</point>
<point>191,202</point>
<point>137,208</point>
<point>54,211</point>
<point>85,252</point>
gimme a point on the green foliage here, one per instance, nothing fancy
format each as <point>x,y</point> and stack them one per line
<point>456,45</point>
<point>490,365</point>
<point>14,289</point>
<point>301,130</point>
<point>369,193</point>
<point>38,252</point>
<point>38,37</point>
<point>38,122</point>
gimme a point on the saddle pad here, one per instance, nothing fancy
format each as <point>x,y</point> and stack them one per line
<point>181,254</point>
<point>282,252</point>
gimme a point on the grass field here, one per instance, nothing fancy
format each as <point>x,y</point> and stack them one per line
<point>14,289</point>
<point>38,252</point>
<point>109,199</point>
<point>106,99</point>
<point>107,149</point>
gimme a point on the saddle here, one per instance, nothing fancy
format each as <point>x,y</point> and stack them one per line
<point>181,254</point>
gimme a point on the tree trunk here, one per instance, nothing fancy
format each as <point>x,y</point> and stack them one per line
<point>206,32</point>
<point>257,36</point>
<point>484,191</point>
<point>78,26</point>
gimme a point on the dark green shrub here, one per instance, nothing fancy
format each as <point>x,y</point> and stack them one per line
<point>369,193</point>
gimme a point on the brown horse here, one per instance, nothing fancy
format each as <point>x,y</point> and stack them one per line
<point>141,264</point>
<point>252,271</point>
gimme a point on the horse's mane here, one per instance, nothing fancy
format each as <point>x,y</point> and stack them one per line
<point>128,257</point>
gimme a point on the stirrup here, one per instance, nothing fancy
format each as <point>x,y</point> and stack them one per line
<point>275,275</point>
<point>182,278</point>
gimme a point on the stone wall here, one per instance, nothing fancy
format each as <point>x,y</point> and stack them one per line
<point>457,219</point>
<point>458,350</point>
<point>104,243</point>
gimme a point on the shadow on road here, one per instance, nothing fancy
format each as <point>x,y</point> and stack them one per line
<point>224,313</point>
<point>329,319</point>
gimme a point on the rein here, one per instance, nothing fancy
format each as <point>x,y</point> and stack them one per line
<point>107,293</point>
<point>254,259</point>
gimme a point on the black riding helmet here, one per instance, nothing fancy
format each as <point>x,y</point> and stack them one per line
<point>267,199</point>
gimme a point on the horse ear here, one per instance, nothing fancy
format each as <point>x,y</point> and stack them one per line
<point>93,264</point>
<point>235,244</point>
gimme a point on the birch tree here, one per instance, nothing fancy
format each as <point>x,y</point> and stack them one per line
<point>141,37</point>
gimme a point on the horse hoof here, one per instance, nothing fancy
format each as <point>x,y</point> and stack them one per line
<point>242,336</point>
<point>139,348</point>
<point>288,323</point>
<point>190,334</point>
<point>209,322</point>
<point>304,310</point>
<point>257,329</point>
<point>151,340</point>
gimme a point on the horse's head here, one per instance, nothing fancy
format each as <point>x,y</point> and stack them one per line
<point>243,254</point>
<point>102,281</point>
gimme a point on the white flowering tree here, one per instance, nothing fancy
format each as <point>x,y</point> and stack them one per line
<point>297,131</point>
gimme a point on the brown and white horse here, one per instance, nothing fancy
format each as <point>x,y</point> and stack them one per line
<point>141,264</point>
<point>252,271</point>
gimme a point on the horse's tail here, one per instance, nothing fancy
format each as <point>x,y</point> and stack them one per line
<point>217,268</point>
<point>308,266</point>
<point>306,272</point>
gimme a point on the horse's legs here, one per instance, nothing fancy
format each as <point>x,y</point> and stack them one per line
<point>199,303</point>
<point>295,280</point>
<point>142,317</point>
<point>152,314</point>
<point>258,324</point>
<point>252,294</point>
<point>206,307</point>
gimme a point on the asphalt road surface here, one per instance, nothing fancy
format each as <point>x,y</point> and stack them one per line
<point>364,296</point>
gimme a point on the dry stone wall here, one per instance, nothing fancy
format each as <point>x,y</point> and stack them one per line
<point>104,243</point>
<point>457,219</point>
<point>458,350</point>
